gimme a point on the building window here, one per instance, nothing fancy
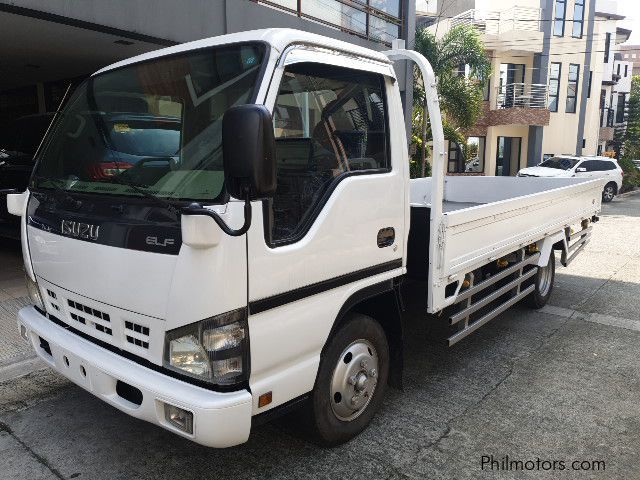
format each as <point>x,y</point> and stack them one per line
<point>622,103</point>
<point>607,47</point>
<point>626,71</point>
<point>554,85</point>
<point>618,70</point>
<point>474,162</point>
<point>590,82</point>
<point>572,88</point>
<point>455,158</point>
<point>467,160</point>
<point>578,18</point>
<point>377,20</point>
<point>561,13</point>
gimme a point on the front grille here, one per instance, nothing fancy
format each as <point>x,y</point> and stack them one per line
<point>52,300</point>
<point>90,316</point>
<point>89,310</point>
<point>137,334</point>
<point>122,329</point>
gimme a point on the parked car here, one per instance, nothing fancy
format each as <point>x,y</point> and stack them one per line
<point>587,167</point>
<point>18,145</point>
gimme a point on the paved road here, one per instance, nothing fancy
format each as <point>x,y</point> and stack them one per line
<point>13,295</point>
<point>561,384</point>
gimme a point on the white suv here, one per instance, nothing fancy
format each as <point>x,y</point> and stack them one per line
<point>588,167</point>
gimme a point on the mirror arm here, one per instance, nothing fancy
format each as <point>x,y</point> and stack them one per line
<point>197,209</point>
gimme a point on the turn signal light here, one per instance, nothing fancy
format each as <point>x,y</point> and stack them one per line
<point>265,399</point>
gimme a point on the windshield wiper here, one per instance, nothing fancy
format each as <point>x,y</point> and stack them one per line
<point>59,189</point>
<point>139,188</point>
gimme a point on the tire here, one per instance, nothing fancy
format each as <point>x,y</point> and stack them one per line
<point>543,280</point>
<point>352,354</point>
<point>609,192</point>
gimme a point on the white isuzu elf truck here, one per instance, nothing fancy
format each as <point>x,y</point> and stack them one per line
<point>221,230</point>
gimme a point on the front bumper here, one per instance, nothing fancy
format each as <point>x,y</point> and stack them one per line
<point>219,419</point>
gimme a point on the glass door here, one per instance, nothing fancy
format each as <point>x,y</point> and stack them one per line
<point>511,83</point>
<point>508,156</point>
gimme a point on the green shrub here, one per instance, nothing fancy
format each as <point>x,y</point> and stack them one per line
<point>631,175</point>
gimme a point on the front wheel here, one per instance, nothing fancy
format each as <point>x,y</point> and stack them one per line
<point>351,381</point>
<point>543,280</point>
<point>610,190</point>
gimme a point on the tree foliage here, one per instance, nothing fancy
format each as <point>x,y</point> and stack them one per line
<point>631,141</point>
<point>461,96</point>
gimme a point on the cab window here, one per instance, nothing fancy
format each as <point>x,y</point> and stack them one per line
<point>330,123</point>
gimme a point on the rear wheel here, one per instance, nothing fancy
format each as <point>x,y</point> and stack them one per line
<point>609,192</point>
<point>543,281</point>
<point>351,381</point>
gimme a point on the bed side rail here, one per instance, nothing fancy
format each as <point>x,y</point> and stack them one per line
<point>508,283</point>
<point>574,243</point>
<point>481,301</point>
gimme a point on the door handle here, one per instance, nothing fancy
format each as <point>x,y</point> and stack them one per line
<point>386,237</point>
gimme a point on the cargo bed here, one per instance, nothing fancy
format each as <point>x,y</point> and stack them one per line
<point>485,218</point>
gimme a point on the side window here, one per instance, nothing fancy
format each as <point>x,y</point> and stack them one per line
<point>329,122</point>
<point>590,165</point>
<point>606,165</point>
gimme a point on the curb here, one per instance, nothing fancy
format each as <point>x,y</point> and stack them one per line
<point>628,194</point>
<point>21,368</point>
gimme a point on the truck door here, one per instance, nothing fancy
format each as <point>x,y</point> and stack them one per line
<point>337,221</point>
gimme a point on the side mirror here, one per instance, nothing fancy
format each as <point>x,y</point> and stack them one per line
<point>249,152</point>
<point>581,170</point>
<point>249,158</point>
<point>16,201</point>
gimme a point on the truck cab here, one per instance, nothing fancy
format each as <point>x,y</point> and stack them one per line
<point>218,230</point>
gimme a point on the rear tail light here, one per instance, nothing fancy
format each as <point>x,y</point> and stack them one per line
<point>104,170</point>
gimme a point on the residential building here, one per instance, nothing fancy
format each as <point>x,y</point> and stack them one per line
<point>45,46</point>
<point>548,61</point>
<point>631,53</point>
<point>614,95</point>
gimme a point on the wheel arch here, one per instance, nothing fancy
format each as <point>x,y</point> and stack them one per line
<point>548,245</point>
<point>381,302</point>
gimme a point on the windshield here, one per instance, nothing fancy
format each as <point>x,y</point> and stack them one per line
<point>156,125</point>
<point>560,163</point>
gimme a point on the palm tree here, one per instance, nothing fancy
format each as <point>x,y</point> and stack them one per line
<point>461,95</point>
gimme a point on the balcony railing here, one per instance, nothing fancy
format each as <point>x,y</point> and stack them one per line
<point>607,117</point>
<point>523,95</point>
<point>495,23</point>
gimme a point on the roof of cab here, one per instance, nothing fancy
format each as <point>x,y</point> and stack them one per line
<point>278,38</point>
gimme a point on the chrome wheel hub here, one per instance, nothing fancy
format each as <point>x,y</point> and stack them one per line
<point>354,380</point>
<point>608,193</point>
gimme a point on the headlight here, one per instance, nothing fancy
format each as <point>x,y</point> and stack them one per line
<point>213,350</point>
<point>34,293</point>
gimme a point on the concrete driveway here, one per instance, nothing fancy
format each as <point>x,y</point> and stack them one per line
<point>544,388</point>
